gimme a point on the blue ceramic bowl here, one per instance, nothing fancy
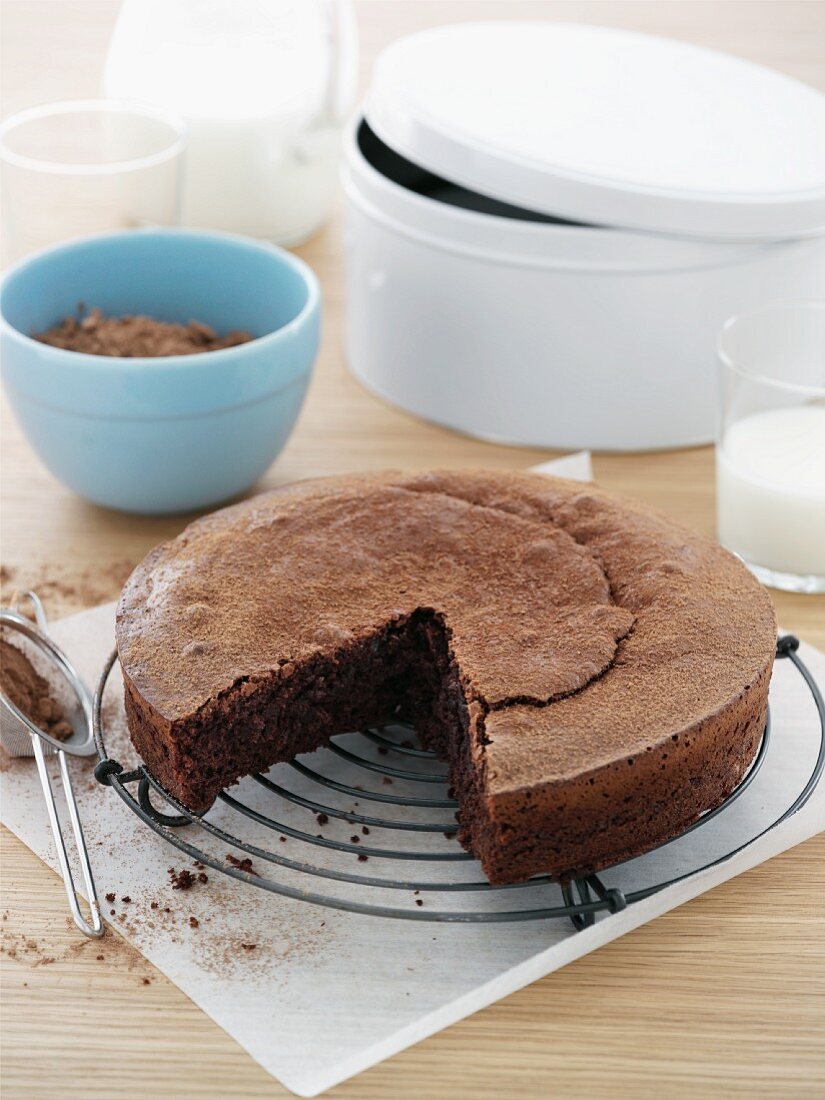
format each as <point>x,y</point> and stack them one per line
<point>173,433</point>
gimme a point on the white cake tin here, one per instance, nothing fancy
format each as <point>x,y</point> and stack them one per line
<point>518,284</point>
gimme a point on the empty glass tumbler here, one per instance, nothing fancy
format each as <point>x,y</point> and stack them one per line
<point>87,166</point>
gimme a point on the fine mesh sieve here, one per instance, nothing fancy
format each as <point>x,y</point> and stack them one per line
<point>20,737</point>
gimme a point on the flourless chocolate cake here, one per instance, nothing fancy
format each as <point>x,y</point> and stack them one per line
<point>595,674</point>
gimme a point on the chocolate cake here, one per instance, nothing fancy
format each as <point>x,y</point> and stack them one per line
<point>595,675</point>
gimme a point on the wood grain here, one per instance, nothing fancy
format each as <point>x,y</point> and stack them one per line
<point>722,998</point>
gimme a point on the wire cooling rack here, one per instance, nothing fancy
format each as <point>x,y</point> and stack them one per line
<point>259,823</point>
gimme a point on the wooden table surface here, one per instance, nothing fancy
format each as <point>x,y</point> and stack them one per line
<point>724,997</point>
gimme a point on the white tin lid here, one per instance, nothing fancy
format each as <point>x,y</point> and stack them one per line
<point>607,126</point>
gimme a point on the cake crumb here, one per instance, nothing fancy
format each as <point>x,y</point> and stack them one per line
<point>110,897</point>
<point>322,819</point>
<point>194,922</point>
<point>182,880</point>
<point>249,946</point>
<point>241,864</point>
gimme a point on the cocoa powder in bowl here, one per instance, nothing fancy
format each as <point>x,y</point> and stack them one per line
<point>135,337</point>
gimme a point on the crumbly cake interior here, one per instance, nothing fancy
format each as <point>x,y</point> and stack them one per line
<point>594,675</point>
<point>404,671</point>
<point>386,675</point>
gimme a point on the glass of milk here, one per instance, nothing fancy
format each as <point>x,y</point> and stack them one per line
<point>263,87</point>
<point>770,456</point>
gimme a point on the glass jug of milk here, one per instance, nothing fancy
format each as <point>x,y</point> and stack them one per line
<point>263,86</point>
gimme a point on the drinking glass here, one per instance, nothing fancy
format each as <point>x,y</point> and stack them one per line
<point>87,166</point>
<point>770,455</point>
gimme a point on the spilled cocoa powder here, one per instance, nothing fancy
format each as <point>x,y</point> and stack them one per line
<point>135,336</point>
<point>65,589</point>
<point>30,692</point>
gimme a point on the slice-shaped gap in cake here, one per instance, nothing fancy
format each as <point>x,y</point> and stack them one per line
<point>406,670</point>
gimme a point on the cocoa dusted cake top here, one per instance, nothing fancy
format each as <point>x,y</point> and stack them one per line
<point>586,626</point>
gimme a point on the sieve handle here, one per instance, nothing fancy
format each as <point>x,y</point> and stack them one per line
<point>37,609</point>
<point>96,927</point>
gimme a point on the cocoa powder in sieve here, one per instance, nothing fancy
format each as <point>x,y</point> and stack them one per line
<point>30,692</point>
